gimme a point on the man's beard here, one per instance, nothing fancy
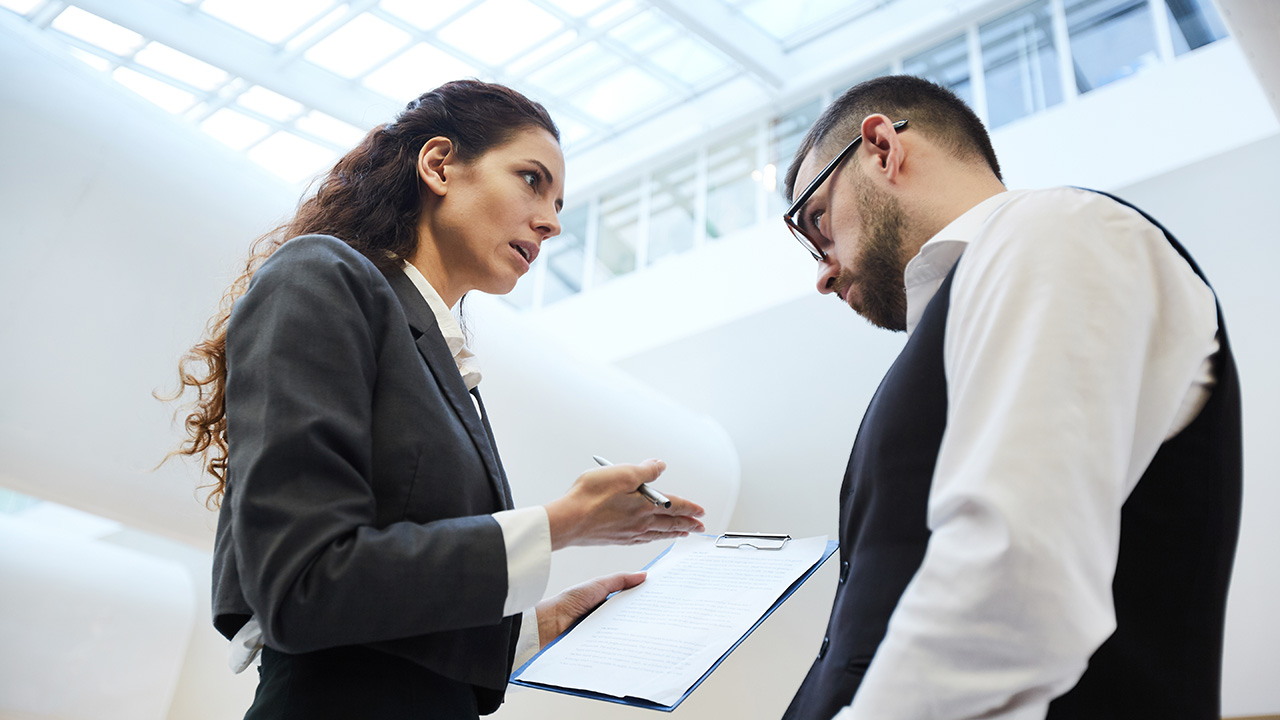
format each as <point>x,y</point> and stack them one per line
<point>879,265</point>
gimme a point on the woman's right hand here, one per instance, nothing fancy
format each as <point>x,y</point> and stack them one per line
<point>604,507</point>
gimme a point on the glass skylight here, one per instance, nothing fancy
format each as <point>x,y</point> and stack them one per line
<point>571,130</point>
<point>542,53</point>
<point>623,95</point>
<point>416,71</point>
<point>272,21</point>
<point>499,30</point>
<point>578,8</point>
<point>236,130</point>
<point>586,64</point>
<point>97,62</point>
<point>424,15</point>
<point>273,105</point>
<point>22,7</point>
<point>330,129</point>
<point>181,66</point>
<point>781,18</point>
<point>613,12</point>
<point>159,92</point>
<point>317,30</point>
<point>644,32</point>
<point>357,46</point>
<point>689,60</point>
<point>97,31</point>
<point>599,66</point>
<point>291,157</point>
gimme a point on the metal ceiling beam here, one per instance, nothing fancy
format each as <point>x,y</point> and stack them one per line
<point>744,43</point>
<point>213,41</point>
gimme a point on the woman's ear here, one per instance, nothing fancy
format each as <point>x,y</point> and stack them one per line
<point>436,161</point>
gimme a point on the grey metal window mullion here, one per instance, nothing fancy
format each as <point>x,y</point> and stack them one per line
<point>977,74</point>
<point>1066,64</point>
<point>700,199</point>
<point>1164,33</point>
<point>590,243</point>
<point>642,221</point>
<point>1033,71</point>
<point>762,159</point>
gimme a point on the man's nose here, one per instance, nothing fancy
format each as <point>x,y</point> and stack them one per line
<point>827,271</point>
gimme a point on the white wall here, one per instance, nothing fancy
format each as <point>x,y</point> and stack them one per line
<point>110,625</point>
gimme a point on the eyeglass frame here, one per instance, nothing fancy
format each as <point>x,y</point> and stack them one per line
<point>789,217</point>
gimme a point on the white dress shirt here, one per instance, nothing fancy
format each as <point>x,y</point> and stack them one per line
<point>526,532</point>
<point>1077,341</point>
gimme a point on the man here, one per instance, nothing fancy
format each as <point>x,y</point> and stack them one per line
<point>1041,508</point>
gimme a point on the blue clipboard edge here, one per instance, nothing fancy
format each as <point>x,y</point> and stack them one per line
<point>832,546</point>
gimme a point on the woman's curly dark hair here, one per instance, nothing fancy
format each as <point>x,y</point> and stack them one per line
<point>371,199</point>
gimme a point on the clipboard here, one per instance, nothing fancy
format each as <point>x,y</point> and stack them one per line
<point>733,542</point>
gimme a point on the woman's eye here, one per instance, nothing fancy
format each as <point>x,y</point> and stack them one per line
<point>532,178</point>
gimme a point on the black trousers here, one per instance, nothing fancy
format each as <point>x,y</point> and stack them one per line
<point>355,683</point>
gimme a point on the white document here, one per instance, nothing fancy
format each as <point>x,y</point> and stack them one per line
<point>656,640</point>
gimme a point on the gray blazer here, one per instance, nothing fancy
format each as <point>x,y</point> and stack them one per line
<point>361,480</point>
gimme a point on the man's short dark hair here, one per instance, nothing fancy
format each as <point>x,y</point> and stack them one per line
<point>930,108</point>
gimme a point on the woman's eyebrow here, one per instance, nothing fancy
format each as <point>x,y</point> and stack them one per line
<point>550,179</point>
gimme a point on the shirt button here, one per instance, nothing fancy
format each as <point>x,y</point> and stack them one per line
<point>822,651</point>
<point>844,571</point>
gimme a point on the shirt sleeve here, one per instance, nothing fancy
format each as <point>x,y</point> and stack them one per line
<point>527,644</point>
<point>526,533</point>
<point>1074,334</point>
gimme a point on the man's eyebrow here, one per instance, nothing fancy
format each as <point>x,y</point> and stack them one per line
<point>551,179</point>
<point>803,215</point>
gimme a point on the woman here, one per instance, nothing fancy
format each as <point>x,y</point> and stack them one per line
<point>366,540</point>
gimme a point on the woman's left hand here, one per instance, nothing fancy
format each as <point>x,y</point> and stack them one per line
<point>556,614</point>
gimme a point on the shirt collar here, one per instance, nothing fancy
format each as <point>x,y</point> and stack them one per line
<point>449,327</point>
<point>926,271</point>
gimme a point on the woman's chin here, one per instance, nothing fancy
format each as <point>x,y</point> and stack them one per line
<point>501,285</point>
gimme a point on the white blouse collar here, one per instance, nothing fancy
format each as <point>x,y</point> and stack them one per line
<point>449,327</point>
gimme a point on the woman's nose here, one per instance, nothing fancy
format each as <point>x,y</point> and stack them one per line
<point>548,226</point>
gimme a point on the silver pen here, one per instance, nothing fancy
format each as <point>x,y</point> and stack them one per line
<point>649,493</point>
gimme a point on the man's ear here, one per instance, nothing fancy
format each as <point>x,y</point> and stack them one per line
<point>436,161</point>
<point>882,142</point>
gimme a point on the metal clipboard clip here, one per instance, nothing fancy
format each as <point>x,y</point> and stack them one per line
<point>759,541</point>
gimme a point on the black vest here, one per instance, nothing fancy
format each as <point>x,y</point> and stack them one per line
<point>1178,536</point>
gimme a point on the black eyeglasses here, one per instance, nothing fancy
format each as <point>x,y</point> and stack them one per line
<point>790,217</point>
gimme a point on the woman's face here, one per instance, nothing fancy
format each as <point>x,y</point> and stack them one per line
<point>496,211</point>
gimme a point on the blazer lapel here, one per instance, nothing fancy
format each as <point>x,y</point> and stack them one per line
<point>432,347</point>
<point>488,431</point>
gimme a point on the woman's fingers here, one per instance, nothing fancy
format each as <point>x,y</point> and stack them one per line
<point>680,506</point>
<point>605,507</point>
